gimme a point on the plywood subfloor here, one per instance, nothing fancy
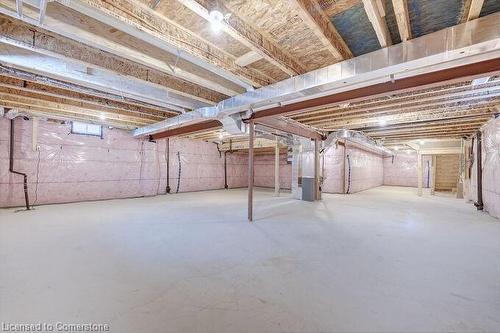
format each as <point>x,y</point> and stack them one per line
<point>379,260</point>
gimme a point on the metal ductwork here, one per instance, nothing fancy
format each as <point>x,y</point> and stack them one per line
<point>358,138</point>
<point>457,46</point>
<point>234,124</point>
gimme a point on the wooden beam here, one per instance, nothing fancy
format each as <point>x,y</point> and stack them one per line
<point>334,7</point>
<point>416,108</point>
<point>41,41</point>
<point>376,15</point>
<point>424,115</point>
<point>407,104</point>
<point>312,14</point>
<point>73,25</point>
<point>248,36</point>
<point>203,126</point>
<point>65,102</point>
<point>402,19</point>
<point>471,10</point>
<point>51,106</point>
<point>43,10</point>
<point>58,87</point>
<point>396,99</point>
<point>248,58</point>
<point>472,119</point>
<point>36,88</point>
<point>142,22</point>
<point>19,8</point>
<point>489,67</point>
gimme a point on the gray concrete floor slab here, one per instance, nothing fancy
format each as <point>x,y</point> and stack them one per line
<point>380,260</point>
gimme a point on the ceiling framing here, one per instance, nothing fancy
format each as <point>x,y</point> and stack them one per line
<point>130,63</point>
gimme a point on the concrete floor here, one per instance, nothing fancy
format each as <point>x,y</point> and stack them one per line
<point>380,260</point>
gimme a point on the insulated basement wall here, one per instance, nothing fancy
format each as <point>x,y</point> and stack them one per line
<point>367,169</point>
<point>333,170</point>
<point>264,171</point>
<point>491,167</point>
<point>402,170</point>
<point>70,167</point>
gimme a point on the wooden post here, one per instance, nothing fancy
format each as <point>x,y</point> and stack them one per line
<point>250,169</point>
<point>419,170</point>
<point>277,169</point>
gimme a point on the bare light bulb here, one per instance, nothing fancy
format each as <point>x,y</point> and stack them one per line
<point>216,18</point>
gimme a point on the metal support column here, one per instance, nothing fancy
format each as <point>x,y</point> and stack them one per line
<point>420,175</point>
<point>479,171</point>
<point>251,126</point>
<point>277,169</point>
<point>433,185</point>
<point>317,144</point>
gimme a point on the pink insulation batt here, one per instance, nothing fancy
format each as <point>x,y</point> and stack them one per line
<point>71,167</point>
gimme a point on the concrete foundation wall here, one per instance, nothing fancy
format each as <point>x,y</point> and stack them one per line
<point>70,167</point>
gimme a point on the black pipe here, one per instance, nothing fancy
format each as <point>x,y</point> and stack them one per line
<point>479,170</point>
<point>349,175</point>
<point>11,165</point>
<point>168,165</point>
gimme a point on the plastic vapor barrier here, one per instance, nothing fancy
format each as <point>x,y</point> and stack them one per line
<point>69,167</point>
<point>491,167</point>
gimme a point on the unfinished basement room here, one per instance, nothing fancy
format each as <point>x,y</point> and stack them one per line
<point>220,166</point>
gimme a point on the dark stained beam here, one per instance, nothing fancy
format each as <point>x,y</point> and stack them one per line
<point>203,126</point>
<point>489,67</point>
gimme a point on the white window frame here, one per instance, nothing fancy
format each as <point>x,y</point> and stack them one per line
<point>82,128</point>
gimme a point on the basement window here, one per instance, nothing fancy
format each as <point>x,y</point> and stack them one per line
<point>86,129</point>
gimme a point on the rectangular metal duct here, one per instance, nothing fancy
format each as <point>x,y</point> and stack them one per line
<point>468,43</point>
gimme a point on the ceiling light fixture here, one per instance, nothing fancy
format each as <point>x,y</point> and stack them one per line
<point>216,18</point>
<point>221,136</point>
<point>382,122</point>
<point>102,116</point>
<point>421,142</point>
